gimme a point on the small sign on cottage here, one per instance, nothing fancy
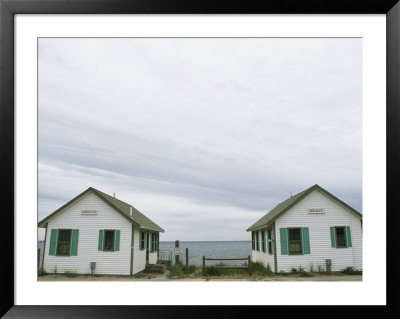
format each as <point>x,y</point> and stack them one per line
<point>176,251</point>
<point>316,211</point>
<point>89,212</point>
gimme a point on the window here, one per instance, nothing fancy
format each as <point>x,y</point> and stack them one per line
<point>269,236</point>
<point>263,241</point>
<point>154,242</point>
<point>258,240</point>
<point>142,239</point>
<point>64,242</point>
<point>109,236</point>
<point>253,243</point>
<point>341,241</point>
<point>295,246</point>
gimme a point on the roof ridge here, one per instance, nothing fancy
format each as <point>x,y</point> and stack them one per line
<point>138,218</point>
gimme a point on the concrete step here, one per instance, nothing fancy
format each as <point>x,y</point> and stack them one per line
<point>155,269</point>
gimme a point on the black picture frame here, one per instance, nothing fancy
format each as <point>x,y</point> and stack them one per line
<point>8,8</point>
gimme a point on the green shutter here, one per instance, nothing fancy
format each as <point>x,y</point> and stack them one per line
<point>284,247</point>
<point>333,243</point>
<point>101,233</point>
<point>258,241</point>
<point>117,235</point>
<point>348,236</point>
<point>53,242</point>
<point>74,243</point>
<point>306,240</point>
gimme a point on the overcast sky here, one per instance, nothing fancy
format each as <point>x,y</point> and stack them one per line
<point>203,136</point>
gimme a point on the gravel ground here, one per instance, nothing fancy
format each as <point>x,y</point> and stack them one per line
<point>163,277</point>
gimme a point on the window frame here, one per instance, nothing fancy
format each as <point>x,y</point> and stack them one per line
<point>104,239</point>
<point>269,241</point>
<point>289,241</point>
<point>253,241</point>
<point>258,241</point>
<point>153,247</point>
<point>263,241</point>
<point>345,237</point>
<point>70,242</point>
<point>142,239</point>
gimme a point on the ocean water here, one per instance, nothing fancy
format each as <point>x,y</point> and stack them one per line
<point>212,249</point>
<point>198,249</point>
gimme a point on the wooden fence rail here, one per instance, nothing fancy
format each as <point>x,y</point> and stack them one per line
<point>229,267</point>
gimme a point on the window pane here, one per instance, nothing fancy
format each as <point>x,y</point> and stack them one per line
<point>64,236</point>
<point>340,237</point>
<point>63,249</point>
<point>64,240</point>
<point>294,234</point>
<point>109,240</point>
<point>295,248</point>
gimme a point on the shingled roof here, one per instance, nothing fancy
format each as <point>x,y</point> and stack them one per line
<point>137,219</point>
<point>284,206</point>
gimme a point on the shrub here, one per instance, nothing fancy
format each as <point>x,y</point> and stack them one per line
<point>293,271</point>
<point>302,272</point>
<point>41,272</point>
<point>311,268</point>
<point>351,271</point>
<point>176,271</point>
<point>189,269</point>
<point>179,270</point>
<point>258,268</point>
<point>282,273</point>
<point>70,273</point>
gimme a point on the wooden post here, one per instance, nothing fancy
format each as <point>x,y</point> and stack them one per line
<point>187,256</point>
<point>176,250</point>
<point>249,264</point>
<point>204,264</point>
<point>38,258</point>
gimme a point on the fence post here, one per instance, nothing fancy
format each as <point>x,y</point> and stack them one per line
<point>249,264</point>
<point>176,250</point>
<point>187,257</point>
<point>204,263</point>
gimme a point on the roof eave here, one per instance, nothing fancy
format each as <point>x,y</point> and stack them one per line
<point>315,187</point>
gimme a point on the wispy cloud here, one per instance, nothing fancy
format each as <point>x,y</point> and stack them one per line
<point>199,131</point>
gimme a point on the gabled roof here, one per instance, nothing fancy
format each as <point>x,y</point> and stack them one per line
<point>283,207</point>
<point>137,219</point>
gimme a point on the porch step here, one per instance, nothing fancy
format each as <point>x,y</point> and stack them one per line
<point>155,268</point>
<point>165,262</point>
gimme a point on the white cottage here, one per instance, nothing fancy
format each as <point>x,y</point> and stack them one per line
<point>313,229</point>
<point>96,227</point>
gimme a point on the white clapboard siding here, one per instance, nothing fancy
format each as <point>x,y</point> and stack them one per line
<point>319,232</point>
<point>117,262</point>
<point>139,256</point>
<point>263,257</point>
<point>153,258</point>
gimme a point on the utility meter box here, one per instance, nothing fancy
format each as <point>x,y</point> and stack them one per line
<point>328,262</point>
<point>92,265</point>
